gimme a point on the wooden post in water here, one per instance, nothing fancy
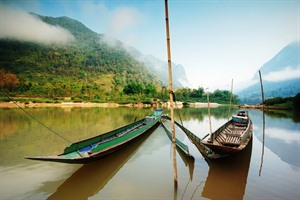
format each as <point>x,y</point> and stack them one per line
<point>263,132</point>
<point>230,100</point>
<point>262,90</point>
<point>171,96</point>
<point>209,119</point>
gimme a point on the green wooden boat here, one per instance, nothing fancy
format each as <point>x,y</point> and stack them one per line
<point>99,146</point>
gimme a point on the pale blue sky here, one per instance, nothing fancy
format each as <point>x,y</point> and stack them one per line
<point>215,41</point>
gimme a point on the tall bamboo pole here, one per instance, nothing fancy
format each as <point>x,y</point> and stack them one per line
<point>262,90</point>
<point>171,96</point>
<point>209,119</point>
<point>230,99</point>
<point>263,112</point>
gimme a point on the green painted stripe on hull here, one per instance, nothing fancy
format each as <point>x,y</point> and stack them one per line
<point>90,141</point>
<point>80,153</point>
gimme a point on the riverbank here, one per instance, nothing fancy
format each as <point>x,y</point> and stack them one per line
<point>12,104</point>
<point>261,107</point>
<point>68,104</point>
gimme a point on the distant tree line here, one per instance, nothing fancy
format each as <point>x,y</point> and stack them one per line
<point>199,95</point>
<point>288,102</point>
<point>84,91</point>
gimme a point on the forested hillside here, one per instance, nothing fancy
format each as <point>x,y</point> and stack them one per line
<point>89,69</point>
<point>86,68</point>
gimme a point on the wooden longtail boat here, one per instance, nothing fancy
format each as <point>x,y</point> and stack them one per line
<point>99,146</point>
<point>233,136</point>
<point>95,175</point>
<point>230,138</point>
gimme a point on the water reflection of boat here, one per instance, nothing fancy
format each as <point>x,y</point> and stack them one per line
<point>92,177</point>
<point>189,162</point>
<point>227,177</point>
<point>182,150</point>
<point>96,147</point>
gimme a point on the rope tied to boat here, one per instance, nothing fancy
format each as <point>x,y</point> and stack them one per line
<point>35,119</point>
<point>177,110</point>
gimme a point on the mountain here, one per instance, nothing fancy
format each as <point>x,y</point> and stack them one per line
<point>154,65</point>
<point>86,66</point>
<point>160,68</point>
<point>280,75</point>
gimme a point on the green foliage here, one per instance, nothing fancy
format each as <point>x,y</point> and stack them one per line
<point>198,95</point>
<point>296,102</point>
<point>85,69</point>
<point>287,102</point>
<point>274,101</point>
<point>133,88</point>
<point>150,90</point>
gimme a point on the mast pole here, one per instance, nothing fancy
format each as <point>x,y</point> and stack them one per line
<point>262,90</point>
<point>230,99</point>
<point>209,118</point>
<point>263,112</point>
<point>171,95</point>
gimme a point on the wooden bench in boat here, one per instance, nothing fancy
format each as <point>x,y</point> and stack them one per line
<point>232,140</point>
<point>230,136</point>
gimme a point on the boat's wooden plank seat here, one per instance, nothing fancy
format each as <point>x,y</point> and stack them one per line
<point>221,138</point>
<point>230,136</point>
<point>230,139</point>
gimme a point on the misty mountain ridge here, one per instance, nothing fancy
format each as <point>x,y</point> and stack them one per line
<point>87,54</point>
<point>280,75</point>
<point>156,66</point>
<point>76,51</point>
<point>161,68</point>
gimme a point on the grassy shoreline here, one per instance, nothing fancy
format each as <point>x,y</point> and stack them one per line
<point>24,102</point>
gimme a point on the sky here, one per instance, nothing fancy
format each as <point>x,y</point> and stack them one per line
<point>215,41</point>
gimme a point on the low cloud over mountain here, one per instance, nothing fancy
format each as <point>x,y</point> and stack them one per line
<point>281,76</point>
<point>19,25</point>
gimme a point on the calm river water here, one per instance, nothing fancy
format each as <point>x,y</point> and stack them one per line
<point>268,169</point>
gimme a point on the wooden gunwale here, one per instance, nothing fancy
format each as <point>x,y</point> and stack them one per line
<point>230,142</point>
<point>94,148</point>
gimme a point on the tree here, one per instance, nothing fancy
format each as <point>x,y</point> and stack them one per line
<point>296,102</point>
<point>8,81</point>
<point>133,88</point>
<point>197,93</point>
<point>150,90</point>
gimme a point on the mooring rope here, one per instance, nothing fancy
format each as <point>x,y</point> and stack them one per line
<point>38,121</point>
<point>176,105</point>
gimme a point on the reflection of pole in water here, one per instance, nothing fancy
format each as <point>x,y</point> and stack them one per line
<point>263,111</point>
<point>171,97</point>
<point>263,145</point>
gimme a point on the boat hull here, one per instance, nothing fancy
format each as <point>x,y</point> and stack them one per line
<point>218,148</point>
<point>91,151</point>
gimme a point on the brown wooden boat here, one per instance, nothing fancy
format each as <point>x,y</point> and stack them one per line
<point>230,138</point>
<point>233,136</point>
